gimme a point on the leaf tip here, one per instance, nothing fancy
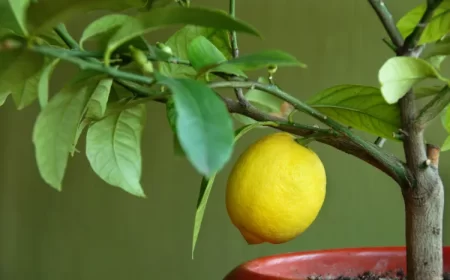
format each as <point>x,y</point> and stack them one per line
<point>55,185</point>
<point>138,192</point>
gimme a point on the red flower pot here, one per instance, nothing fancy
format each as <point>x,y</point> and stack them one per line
<point>337,262</point>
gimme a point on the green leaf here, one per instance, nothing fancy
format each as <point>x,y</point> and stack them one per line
<point>440,48</point>
<point>263,100</point>
<point>446,119</point>
<point>423,92</point>
<point>102,29</point>
<point>399,74</point>
<point>205,190</point>
<point>247,128</point>
<point>171,115</point>
<point>17,66</point>
<point>361,107</point>
<point>165,17</point>
<point>81,126</point>
<point>13,15</point>
<point>206,184</point>
<point>446,145</point>
<point>204,127</point>
<point>436,28</point>
<point>24,94</point>
<point>203,53</point>
<point>3,97</point>
<point>96,106</point>
<point>436,61</point>
<point>259,60</point>
<point>179,42</point>
<point>113,148</point>
<point>103,25</point>
<point>56,128</point>
<point>44,81</point>
<point>45,14</point>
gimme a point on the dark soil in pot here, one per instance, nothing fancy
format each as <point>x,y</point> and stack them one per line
<point>398,275</point>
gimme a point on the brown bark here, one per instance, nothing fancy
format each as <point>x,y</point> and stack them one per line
<point>424,209</point>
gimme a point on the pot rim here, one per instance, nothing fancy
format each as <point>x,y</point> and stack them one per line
<point>254,267</point>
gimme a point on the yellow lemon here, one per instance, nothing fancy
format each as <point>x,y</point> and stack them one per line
<point>275,190</point>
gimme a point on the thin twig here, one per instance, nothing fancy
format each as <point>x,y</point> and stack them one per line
<point>412,40</point>
<point>235,53</point>
<point>62,32</point>
<point>83,64</point>
<point>389,44</point>
<point>433,108</point>
<point>389,25</point>
<point>299,105</point>
<point>388,22</point>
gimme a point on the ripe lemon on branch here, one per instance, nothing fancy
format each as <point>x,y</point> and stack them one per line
<point>275,190</point>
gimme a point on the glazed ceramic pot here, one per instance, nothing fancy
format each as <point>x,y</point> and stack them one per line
<point>336,263</point>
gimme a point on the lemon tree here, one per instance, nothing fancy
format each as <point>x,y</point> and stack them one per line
<point>278,185</point>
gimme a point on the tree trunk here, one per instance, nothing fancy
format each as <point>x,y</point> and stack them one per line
<point>424,208</point>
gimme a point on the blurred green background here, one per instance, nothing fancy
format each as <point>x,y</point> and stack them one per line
<point>92,231</point>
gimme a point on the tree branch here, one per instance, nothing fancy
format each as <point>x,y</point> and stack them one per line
<point>389,25</point>
<point>235,53</point>
<point>388,22</point>
<point>345,140</point>
<point>66,37</point>
<point>83,64</point>
<point>412,40</point>
<point>252,112</point>
<point>395,169</point>
<point>342,138</point>
<point>233,37</point>
<point>337,141</point>
<point>414,145</point>
<point>433,108</point>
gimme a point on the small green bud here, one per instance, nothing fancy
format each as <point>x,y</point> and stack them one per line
<point>272,69</point>
<point>164,48</point>
<point>138,56</point>
<point>141,59</point>
<point>147,67</point>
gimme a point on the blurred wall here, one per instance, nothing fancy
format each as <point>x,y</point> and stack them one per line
<point>92,231</point>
